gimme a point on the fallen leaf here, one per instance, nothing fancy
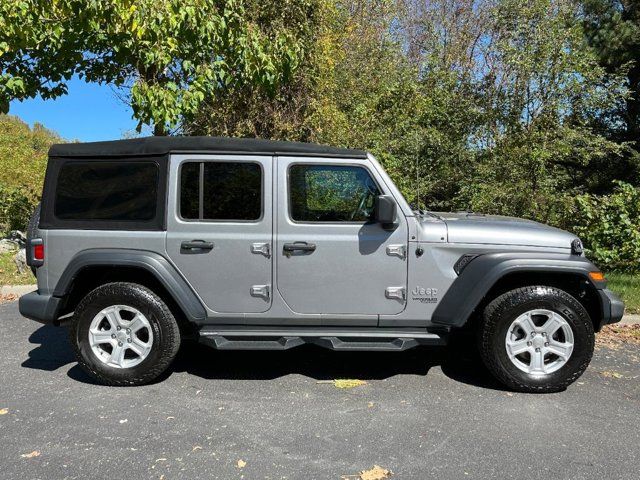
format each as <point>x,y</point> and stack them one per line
<point>33,454</point>
<point>197,447</point>
<point>124,421</point>
<point>614,336</point>
<point>611,374</point>
<point>376,473</point>
<point>348,383</point>
<point>241,464</point>
<point>370,405</point>
<point>161,460</point>
<point>4,411</point>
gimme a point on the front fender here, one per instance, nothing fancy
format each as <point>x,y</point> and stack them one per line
<point>482,273</point>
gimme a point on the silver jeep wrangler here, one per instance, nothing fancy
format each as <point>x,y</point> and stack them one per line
<point>254,244</point>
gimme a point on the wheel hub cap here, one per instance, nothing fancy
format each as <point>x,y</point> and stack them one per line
<point>539,342</point>
<point>120,336</point>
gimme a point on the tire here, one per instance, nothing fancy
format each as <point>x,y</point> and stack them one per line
<point>161,332</point>
<point>32,228</point>
<point>504,321</point>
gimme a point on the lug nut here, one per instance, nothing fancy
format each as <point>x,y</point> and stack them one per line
<point>118,328</point>
<point>128,330</point>
<point>113,335</point>
<point>119,344</point>
<point>129,340</point>
<point>529,344</point>
<point>537,350</point>
<point>546,344</point>
<point>533,334</point>
<point>544,334</point>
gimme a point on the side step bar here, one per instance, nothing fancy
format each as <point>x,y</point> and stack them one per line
<point>347,339</point>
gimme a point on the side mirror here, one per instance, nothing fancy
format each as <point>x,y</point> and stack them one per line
<point>385,212</point>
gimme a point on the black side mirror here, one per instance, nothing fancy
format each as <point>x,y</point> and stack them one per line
<point>385,212</point>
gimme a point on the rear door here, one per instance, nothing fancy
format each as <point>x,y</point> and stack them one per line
<point>331,257</point>
<point>219,229</point>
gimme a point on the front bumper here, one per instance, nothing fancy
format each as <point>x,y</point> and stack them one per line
<point>612,307</point>
<point>42,308</point>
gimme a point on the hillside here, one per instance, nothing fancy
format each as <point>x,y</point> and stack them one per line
<point>23,153</point>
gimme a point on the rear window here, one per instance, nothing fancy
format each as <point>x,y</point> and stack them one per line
<point>223,191</point>
<point>109,191</point>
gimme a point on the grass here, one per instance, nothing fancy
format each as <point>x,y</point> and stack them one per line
<point>628,287</point>
<point>9,273</point>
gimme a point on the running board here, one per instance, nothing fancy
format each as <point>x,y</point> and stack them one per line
<point>348,339</point>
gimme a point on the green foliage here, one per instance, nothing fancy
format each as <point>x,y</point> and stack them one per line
<point>610,227</point>
<point>612,28</point>
<point>23,159</point>
<point>167,55</point>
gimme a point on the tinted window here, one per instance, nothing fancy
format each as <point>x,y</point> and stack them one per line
<point>231,191</point>
<point>331,193</point>
<point>190,190</point>
<point>116,191</point>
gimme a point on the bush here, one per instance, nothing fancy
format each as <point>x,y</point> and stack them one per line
<point>609,226</point>
<point>16,206</point>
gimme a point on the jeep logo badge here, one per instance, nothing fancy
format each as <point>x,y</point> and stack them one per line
<point>425,295</point>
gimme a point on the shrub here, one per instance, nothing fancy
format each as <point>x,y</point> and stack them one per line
<point>609,225</point>
<point>16,206</point>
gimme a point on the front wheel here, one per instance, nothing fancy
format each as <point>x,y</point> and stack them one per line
<point>536,339</point>
<point>124,334</point>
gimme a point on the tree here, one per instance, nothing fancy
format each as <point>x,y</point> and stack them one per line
<point>613,30</point>
<point>166,55</point>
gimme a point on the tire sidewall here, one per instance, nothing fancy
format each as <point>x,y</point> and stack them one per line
<point>572,312</point>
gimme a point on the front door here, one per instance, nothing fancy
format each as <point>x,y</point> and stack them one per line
<point>219,232</point>
<point>331,257</point>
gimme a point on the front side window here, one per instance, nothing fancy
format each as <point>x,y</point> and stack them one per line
<point>221,191</point>
<point>107,191</point>
<point>331,193</point>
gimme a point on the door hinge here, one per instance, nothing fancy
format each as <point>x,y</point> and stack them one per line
<point>397,251</point>
<point>261,248</point>
<point>398,293</point>
<point>260,291</point>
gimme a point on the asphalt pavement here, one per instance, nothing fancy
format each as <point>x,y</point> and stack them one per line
<point>424,413</point>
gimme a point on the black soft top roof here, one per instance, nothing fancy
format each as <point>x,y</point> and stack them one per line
<point>162,145</point>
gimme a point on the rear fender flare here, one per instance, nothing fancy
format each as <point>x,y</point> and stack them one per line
<point>152,262</point>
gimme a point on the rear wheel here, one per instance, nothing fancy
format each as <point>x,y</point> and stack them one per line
<point>536,339</point>
<point>124,334</point>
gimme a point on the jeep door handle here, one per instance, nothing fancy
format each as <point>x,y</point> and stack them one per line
<point>301,246</point>
<point>196,245</point>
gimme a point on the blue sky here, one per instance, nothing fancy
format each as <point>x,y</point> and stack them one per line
<point>89,112</point>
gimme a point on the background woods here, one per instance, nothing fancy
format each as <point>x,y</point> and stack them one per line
<point>518,108</point>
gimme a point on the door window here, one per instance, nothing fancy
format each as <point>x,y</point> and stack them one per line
<point>224,191</point>
<point>331,193</point>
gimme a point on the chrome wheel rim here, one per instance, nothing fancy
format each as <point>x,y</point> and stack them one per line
<point>120,336</point>
<point>539,342</point>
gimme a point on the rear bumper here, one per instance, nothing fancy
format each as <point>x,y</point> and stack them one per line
<point>612,307</point>
<point>42,308</point>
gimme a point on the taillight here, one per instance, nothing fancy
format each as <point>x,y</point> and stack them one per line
<point>38,252</point>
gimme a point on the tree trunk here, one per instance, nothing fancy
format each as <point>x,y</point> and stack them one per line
<point>160,130</point>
